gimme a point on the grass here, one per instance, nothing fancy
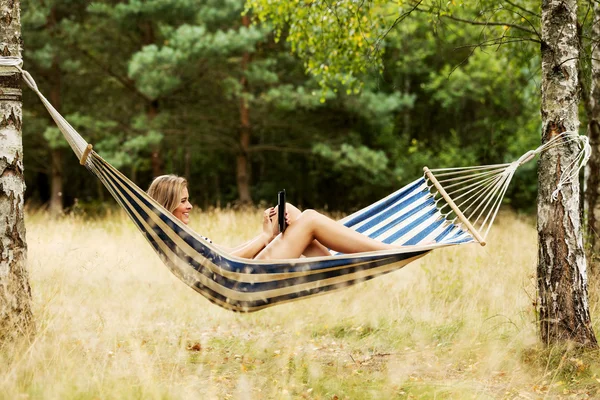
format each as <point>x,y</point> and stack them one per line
<point>114,323</point>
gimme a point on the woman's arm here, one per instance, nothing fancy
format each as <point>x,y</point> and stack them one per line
<point>250,248</point>
<point>254,246</point>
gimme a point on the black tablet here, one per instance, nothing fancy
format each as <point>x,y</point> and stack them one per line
<point>281,210</point>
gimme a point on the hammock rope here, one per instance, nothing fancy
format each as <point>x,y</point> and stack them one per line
<point>478,191</point>
<point>425,214</point>
<point>75,140</point>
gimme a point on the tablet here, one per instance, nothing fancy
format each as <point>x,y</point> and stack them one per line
<point>281,211</point>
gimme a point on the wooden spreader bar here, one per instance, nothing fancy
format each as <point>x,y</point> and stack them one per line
<point>454,207</point>
<point>85,154</point>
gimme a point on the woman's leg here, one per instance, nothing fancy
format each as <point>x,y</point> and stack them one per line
<point>310,226</point>
<point>314,249</point>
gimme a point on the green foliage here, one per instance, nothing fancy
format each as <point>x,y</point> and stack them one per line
<point>361,160</point>
<point>156,69</point>
<point>379,107</point>
<point>168,11</point>
<point>479,81</point>
<point>338,102</point>
<point>55,138</point>
<point>338,41</point>
<point>289,98</point>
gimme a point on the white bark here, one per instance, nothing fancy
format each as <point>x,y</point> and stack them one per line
<point>592,172</point>
<point>562,281</point>
<point>15,295</point>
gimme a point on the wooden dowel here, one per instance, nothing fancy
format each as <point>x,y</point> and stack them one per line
<point>85,154</point>
<point>454,207</point>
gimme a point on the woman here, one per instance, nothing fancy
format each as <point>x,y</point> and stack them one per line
<point>308,233</point>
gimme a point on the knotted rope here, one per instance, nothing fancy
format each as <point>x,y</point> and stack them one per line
<point>571,172</point>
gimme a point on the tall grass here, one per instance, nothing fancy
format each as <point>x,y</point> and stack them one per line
<point>114,323</point>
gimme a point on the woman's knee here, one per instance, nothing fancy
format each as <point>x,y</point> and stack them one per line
<point>307,221</point>
<point>292,211</point>
<point>310,215</point>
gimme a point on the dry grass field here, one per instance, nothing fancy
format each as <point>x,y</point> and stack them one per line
<point>113,323</point>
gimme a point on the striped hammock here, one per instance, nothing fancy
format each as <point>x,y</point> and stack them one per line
<point>445,207</point>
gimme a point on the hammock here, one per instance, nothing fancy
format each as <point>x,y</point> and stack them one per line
<point>444,207</point>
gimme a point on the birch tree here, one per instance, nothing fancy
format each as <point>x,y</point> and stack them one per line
<point>592,180</point>
<point>561,272</point>
<point>15,293</point>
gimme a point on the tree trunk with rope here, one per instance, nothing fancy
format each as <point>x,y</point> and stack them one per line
<point>561,272</point>
<point>592,172</point>
<point>15,293</point>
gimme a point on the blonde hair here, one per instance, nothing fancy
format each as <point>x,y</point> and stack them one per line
<point>166,190</point>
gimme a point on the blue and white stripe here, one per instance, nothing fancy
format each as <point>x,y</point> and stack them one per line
<point>408,216</point>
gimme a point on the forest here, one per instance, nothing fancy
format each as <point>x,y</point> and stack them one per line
<point>207,91</point>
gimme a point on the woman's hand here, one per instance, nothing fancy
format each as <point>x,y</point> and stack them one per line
<point>271,224</point>
<point>287,219</point>
<point>270,228</point>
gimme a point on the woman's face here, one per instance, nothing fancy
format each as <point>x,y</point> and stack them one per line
<point>182,212</point>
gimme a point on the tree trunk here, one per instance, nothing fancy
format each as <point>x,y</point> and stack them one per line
<point>407,127</point>
<point>56,169</point>
<point>15,294</point>
<point>157,160</point>
<point>243,167</point>
<point>187,163</point>
<point>56,183</point>
<point>561,272</point>
<point>592,172</point>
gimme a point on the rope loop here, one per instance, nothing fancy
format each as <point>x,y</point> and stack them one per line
<point>554,196</point>
<point>29,80</point>
<point>570,173</point>
<point>11,61</point>
<point>17,62</point>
